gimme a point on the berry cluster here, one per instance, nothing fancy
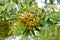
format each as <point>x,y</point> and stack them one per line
<point>30,20</point>
<point>4,27</point>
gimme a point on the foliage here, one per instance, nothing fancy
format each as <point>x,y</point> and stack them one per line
<point>24,17</point>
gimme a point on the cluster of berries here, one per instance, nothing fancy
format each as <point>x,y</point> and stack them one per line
<point>30,20</point>
<point>4,27</point>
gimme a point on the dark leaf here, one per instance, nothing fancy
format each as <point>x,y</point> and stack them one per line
<point>33,32</point>
<point>26,32</point>
<point>38,30</point>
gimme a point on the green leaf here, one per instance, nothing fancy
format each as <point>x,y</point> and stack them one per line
<point>51,1</point>
<point>26,32</point>
<point>42,16</point>
<point>42,22</point>
<point>57,17</point>
<point>15,1</point>
<point>46,18</point>
<point>33,32</point>
<point>49,23</point>
<point>9,7</point>
<point>1,9</point>
<point>9,33</point>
